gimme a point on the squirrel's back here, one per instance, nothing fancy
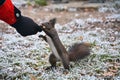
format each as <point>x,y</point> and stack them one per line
<point>78,51</point>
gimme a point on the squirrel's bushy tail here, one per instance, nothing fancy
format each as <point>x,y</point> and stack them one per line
<point>78,51</point>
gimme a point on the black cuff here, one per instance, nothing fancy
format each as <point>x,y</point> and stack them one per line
<point>1,2</point>
<point>17,13</point>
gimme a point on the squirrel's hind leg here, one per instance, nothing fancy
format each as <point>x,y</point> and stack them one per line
<point>53,61</point>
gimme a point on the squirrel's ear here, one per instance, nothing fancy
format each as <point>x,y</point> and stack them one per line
<point>53,21</point>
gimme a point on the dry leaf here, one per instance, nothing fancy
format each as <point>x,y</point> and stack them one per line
<point>108,74</point>
<point>87,44</point>
<point>80,38</point>
<point>32,77</point>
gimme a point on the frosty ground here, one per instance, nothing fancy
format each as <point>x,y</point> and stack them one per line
<point>25,58</point>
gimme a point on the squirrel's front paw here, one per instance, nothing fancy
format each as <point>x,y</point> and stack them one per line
<point>51,68</point>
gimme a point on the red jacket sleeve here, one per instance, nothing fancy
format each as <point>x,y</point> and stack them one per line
<point>7,12</point>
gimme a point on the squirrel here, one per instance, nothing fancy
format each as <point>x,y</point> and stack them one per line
<point>76,52</point>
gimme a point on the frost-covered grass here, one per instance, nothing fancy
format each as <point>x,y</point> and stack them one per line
<point>25,58</point>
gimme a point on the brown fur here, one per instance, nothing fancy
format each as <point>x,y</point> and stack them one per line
<point>76,52</point>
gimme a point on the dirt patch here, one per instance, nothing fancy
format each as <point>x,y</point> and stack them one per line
<point>63,17</point>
